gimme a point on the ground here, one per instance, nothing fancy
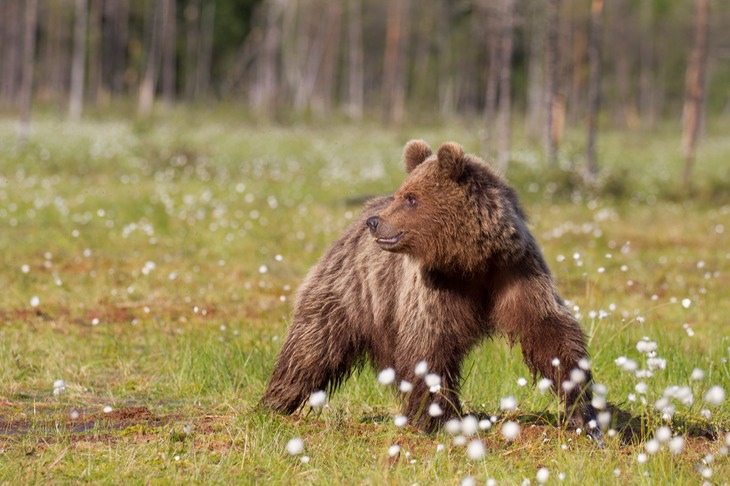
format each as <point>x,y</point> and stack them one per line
<point>151,267</point>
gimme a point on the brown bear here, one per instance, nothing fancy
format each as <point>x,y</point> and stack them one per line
<point>425,275</point>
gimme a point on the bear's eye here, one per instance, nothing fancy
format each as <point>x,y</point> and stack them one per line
<point>411,200</point>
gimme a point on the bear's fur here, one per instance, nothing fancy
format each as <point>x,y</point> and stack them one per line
<point>426,274</point>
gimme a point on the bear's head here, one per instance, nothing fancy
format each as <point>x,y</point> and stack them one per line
<point>453,213</point>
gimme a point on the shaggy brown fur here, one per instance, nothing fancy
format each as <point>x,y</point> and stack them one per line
<point>447,261</point>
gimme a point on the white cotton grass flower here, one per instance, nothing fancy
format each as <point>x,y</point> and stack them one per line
<point>626,364</point>
<point>555,362</point>
<point>400,420</point>
<point>468,481</point>
<point>469,425</point>
<point>656,363</point>
<point>435,410</point>
<point>432,379</point>
<point>652,446</point>
<point>715,396</point>
<point>544,385</point>
<point>459,441</point>
<point>584,364</point>
<point>59,386</point>
<point>542,475</point>
<point>35,301</point>
<point>604,419</point>
<point>641,458</point>
<point>304,459</point>
<point>452,426</point>
<point>577,375</point>
<point>511,430</point>
<point>485,424</point>
<point>440,447</point>
<point>405,386</point>
<point>697,374</point>
<point>108,409</point>
<point>521,381</point>
<point>645,346</point>
<point>641,388</point>
<point>74,415</point>
<point>686,303</point>
<point>476,450</point>
<point>295,446</point>
<point>599,402</point>
<point>676,445</point>
<point>386,376</point>
<point>393,450</point>
<point>663,434</point>
<point>421,368</point>
<point>318,399</point>
<point>507,404</point>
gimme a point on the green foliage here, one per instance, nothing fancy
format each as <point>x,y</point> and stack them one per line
<point>165,259</point>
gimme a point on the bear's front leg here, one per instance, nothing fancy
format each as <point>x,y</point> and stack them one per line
<point>434,376</point>
<point>318,354</point>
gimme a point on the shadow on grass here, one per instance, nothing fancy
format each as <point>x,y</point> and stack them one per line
<point>631,429</point>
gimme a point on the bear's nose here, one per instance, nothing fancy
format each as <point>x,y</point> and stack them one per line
<point>373,222</point>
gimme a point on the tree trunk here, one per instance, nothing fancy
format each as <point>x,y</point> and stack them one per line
<point>394,67</point>
<point>12,42</point>
<point>266,85</point>
<point>355,74</point>
<point>552,70</point>
<point>169,48</point>
<point>534,118</point>
<point>694,94</point>
<point>115,36</point>
<point>594,85</point>
<point>493,70</point>
<point>205,52</point>
<point>26,85</point>
<point>192,39</point>
<point>505,83</point>
<point>327,78</point>
<point>95,49</point>
<point>152,65</point>
<point>78,64</point>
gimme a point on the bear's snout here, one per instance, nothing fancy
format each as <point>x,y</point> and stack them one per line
<point>373,222</point>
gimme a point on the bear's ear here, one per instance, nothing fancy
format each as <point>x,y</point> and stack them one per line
<point>416,151</point>
<point>451,159</point>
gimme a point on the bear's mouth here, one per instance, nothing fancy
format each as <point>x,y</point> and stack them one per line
<point>390,242</point>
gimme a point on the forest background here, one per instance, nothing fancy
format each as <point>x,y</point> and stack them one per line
<point>555,62</point>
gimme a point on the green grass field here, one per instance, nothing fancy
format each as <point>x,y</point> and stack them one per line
<point>152,267</point>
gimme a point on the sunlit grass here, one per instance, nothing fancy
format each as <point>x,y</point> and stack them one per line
<point>152,268</point>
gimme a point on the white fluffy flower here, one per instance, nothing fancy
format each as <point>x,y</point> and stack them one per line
<point>676,445</point>
<point>400,420</point>
<point>542,475</point>
<point>421,368</point>
<point>318,399</point>
<point>544,384</point>
<point>507,404</point>
<point>476,450</point>
<point>386,376</point>
<point>511,430</point>
<point>715,396</point>
<point>469,425</point>
<point>435,410</point>
<point>295,446</point>
<point>393,450</point>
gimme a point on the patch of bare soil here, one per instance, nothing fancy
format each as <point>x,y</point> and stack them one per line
<point>87,427</point>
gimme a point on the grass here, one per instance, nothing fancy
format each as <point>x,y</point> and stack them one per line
<point>164,259</point>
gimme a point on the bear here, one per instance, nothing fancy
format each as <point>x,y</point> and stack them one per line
<point>424,275</point>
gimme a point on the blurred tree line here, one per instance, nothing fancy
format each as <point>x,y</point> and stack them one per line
<point>557,62</point>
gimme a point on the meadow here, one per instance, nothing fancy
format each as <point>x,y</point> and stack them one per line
<point>148,271</point>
